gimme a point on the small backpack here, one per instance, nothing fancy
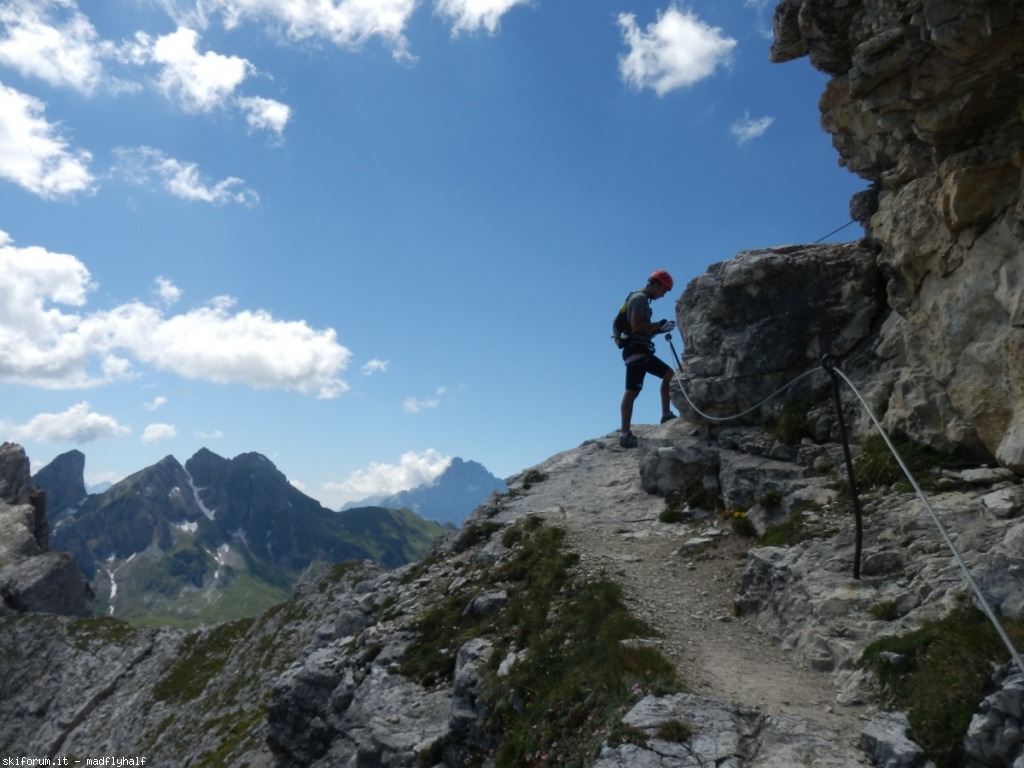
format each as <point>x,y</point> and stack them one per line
<point>621,329</point>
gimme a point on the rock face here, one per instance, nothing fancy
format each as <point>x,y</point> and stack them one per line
<point>756,322</point>
<point>926,103</point>
<point>32,578</point>
<point>63,479</point>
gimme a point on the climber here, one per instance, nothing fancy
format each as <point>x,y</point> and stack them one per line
<point>638,351</point>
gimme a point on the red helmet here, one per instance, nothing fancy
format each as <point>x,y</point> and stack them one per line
<point>662,277</point>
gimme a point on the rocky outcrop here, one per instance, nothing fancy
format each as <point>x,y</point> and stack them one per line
<point>32,578</point>
<point>63,479</point>
<point>925,102</point>
<point>760,320</point>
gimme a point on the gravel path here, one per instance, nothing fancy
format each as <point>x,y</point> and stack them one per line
<point>682,588</point>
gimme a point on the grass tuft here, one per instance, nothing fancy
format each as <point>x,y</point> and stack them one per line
<point>938,674</point>
<point>577,675</point>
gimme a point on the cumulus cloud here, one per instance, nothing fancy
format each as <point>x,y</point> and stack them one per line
<point>265,114</point>
<point>155,432</point>
<point>750,128</point>
<point>63,51</point>
<point>77,424</point>
<point>199,82</point>
<point>182,179</point>
<point>34,155</point>
<point>346,23</point>
<point>168,292</point>
<point>469,15</point>
<point>44,343</point>
<point>677,50</point>
<point>413,470</point>
<point>155,403</point>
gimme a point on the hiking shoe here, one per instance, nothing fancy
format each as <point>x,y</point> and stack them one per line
<point>667,417</point>
<point>628,440</point>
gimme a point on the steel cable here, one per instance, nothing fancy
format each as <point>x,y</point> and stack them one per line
<point>975,588</point>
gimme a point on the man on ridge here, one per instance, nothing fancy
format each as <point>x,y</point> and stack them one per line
<point>638,351</point>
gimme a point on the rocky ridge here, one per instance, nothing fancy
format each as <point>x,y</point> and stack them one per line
<point>766,641</point>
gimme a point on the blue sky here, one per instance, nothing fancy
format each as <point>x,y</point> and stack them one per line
<point>362,237</point>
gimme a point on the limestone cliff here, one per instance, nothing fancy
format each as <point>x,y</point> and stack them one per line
<point>926,102</point>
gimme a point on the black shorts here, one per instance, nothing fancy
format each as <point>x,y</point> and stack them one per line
<point>640,362</point>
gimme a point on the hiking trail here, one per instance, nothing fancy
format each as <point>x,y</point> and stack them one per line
<point>683,589</point>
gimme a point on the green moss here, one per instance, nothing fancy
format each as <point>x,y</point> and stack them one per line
<point>577,676</point>
<point>87,633</point>
<point>202,657</point>
<point>795,528</point>
<point>876,467</point>
<point>432,755</point>
<point>532,477</point>
<point>475,533</point>
<point>938,674</point>
<point>233,730</point>
<point>740,523</point>
<point>884,611</point>
<point>787,533</point>
<point>671,515</point>
<point>693,495</point>
<point>676,731</point>
<point>792,424</point>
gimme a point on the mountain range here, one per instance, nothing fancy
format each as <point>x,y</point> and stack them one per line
<point>450,498</point>
<point>212,539</point>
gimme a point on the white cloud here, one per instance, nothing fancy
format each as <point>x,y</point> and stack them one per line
<point>181,179</point>
<point>42,344</point>
<point>750,128</point>
<point>763,9</point>
<point>675,51</point>
<point>155,432</point>
<point>374,366</point>
<point>33,155</point>
<point>413,470</point>
<point>77,424</point>
<point>168,292</point>
<point>199,82</point>
<point>99,478</point>
<point>63,52</point>
<point>155,403</point>
<point>416,405</point>
<point>214,435</point>
<point>346,23</point>
<point>265,114</point>
<point>468,15</point>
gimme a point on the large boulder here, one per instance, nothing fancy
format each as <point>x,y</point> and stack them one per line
<point>762,319</point>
